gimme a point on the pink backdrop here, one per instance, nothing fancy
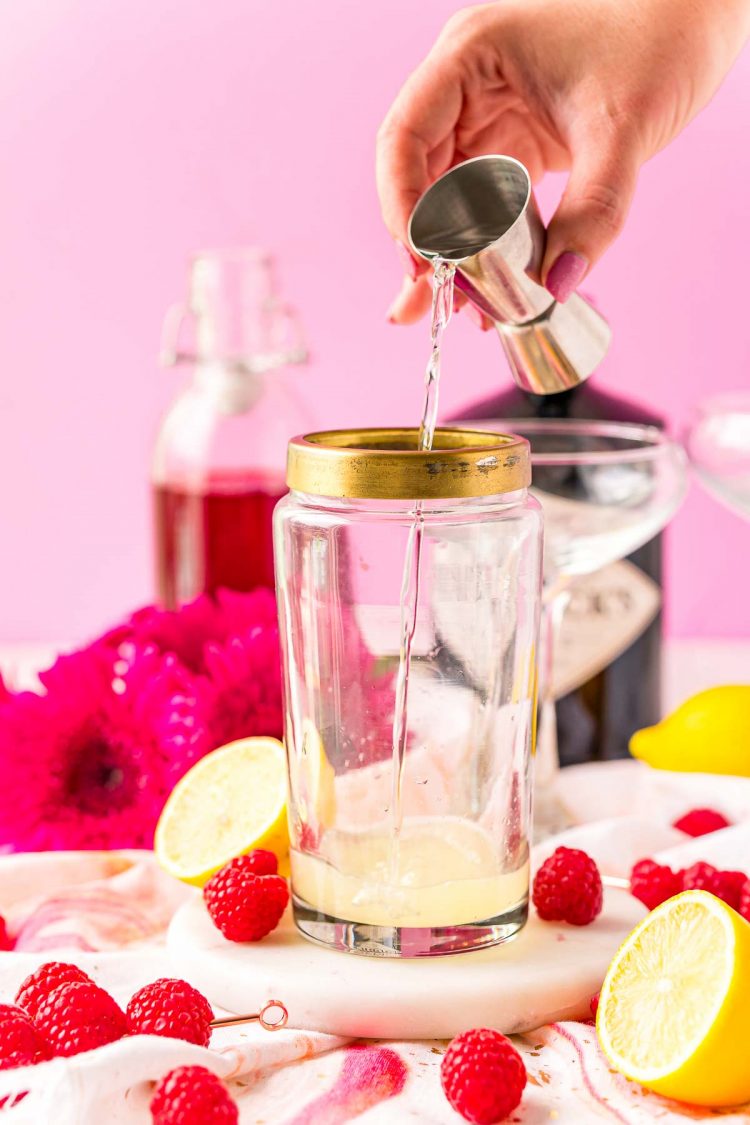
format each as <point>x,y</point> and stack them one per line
<point>135,130</point>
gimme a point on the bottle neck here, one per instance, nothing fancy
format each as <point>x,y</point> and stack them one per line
<point>239,318</point>
<point>233,318</point>
<point>233,388</point>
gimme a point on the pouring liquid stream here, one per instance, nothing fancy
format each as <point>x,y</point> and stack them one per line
<point>442,306</point>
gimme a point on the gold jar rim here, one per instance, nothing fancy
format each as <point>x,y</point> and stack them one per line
<point>386,464</point>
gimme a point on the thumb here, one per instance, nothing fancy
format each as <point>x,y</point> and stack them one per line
<point>591,213</point>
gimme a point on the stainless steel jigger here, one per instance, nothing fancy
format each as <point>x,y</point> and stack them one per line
<point>482,215</point>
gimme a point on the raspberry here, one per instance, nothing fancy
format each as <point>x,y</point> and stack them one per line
<point>483,1076</point>
<point>172,1008</point>
<point>699,822</point>
<point>37,987</point>
<point>703,877</point>
<point>261,862</point>
<point>744,905</point>
<point>726,885</point>
<point>732,883</point>
<point>20,1042</point>
<point>243,905</point>
<point>78,1016</point>
<point>568,888</point>
<point>192,1095</point>
<point>654,883</point>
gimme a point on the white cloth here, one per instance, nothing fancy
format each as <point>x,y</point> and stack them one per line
<point>108,913</point>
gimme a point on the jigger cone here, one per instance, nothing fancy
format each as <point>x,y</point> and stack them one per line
<point>482,215</point>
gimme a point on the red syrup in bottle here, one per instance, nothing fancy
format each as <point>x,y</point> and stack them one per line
<point>214,536</point>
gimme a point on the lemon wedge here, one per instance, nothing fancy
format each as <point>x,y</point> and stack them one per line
<point>708,733</point>
<point>674,1009</point>
<point>230,802</point>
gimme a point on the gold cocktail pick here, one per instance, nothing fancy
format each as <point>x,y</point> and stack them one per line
<point>615,882</point>
<point>261,1017</point>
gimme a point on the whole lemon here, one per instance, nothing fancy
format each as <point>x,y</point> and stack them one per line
<point>709,733</point>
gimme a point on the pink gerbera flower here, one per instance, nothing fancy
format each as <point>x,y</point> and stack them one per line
<point>90,763</point>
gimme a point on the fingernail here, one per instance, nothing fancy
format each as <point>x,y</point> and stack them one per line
<point>408,262</point>
<point>402,301</point>
<point>477,317</point>
<point>566,275</point>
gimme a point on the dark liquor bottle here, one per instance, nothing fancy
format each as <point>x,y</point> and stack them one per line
<point>615,691</point>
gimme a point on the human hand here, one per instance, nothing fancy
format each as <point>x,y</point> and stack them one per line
<point>594,86</point>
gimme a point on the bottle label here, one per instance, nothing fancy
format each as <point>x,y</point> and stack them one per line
<point>607,613</point>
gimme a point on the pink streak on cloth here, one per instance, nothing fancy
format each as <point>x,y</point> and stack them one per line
<point>369,1076</point>
<point>564,1064</point>
<point>132,903</point>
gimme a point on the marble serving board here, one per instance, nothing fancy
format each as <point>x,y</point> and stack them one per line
<point>548,973</point>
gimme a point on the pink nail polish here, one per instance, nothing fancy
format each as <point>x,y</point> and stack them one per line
<point>566,275</point>
<point>408,263</point>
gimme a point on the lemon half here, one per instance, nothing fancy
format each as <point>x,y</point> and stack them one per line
<point>674,1009</point>
<point>230,802</point>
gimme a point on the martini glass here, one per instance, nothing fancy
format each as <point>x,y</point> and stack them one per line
<point>606,488</point>
<point>718,444</point>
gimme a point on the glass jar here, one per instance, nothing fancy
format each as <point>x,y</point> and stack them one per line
<point>218,468</point>
<point>409,837</point>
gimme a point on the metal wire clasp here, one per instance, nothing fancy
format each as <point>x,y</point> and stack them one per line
<point>261,1017</point>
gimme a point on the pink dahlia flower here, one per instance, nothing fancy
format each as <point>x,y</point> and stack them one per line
<point>209,620</point>
<point>90,763</point>
<point>230,643</point>
<point>242,686</point>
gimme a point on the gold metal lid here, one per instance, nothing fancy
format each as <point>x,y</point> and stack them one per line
<point>386,464</point>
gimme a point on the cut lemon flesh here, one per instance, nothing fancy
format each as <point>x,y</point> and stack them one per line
<point>230,802</point>
<point>674,1009</point>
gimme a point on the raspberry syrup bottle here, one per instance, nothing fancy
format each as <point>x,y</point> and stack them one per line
<point>219,463</point>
